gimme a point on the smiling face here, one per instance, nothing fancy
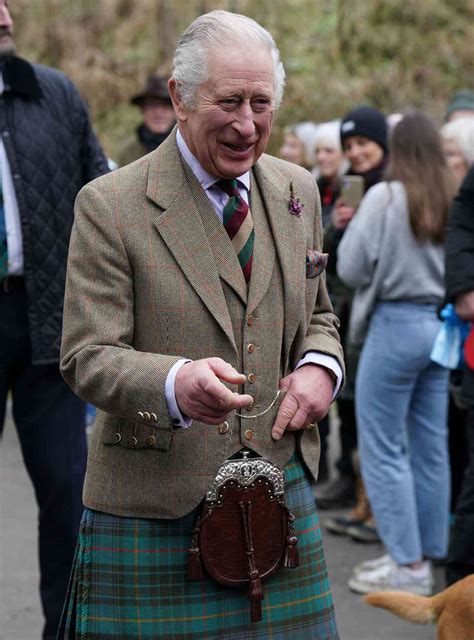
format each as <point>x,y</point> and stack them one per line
<point>363,154</point>
<point>7,44</point>
<point>292,149</point>
<point>328,160</point>
<point>228,129</point>
<point>158,115</point>
<point>455,160</point>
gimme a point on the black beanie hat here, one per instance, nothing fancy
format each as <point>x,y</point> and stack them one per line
<point>366,122</point>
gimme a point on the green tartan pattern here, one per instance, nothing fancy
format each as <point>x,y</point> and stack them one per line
<point>129,580</point>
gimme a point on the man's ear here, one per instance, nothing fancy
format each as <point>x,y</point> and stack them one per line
<point>180,110</point>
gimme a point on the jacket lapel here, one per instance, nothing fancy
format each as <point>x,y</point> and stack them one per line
<point>225,257</point>
<point>263,252</point>
<point>288,235</point>
<point>181,228</point>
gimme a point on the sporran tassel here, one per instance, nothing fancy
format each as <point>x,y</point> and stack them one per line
<point>255,611</point>
<point>195,571</point>
<point>291,560</point>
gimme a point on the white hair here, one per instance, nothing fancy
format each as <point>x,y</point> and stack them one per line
<point>224,29</point>
<point>461,131</point>
<point>305,132</point>
<point>329,133</point>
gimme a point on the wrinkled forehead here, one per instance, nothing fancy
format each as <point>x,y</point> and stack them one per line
<point>239,64</point>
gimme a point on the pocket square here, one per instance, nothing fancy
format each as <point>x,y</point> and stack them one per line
<point>315,263</point>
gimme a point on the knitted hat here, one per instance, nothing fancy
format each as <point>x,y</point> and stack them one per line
<point>366,122</point>
<point>460,101</point>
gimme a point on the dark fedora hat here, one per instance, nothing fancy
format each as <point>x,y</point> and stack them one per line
<point>156,87</point>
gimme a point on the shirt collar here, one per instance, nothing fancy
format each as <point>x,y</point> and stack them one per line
<point>205,179</point>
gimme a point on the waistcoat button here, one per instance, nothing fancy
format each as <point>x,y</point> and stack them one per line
<point>224,428</point>
<point>251,378</point>
<point>250,319</point>
<point>248,434</point>
<point>251,348</point>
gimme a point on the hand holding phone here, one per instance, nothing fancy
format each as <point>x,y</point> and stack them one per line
<point>352,190</point>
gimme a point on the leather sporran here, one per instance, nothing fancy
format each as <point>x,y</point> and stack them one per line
<point>245,531</point>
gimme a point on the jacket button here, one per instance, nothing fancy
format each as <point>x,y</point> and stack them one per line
<point>251,378</point>
<point>117,437</point>
<point>151,441</point>
<point>140,415</point>
<point>224,428</point>
<point>154,417</point>
<point>251,348</point>
<point>248,434</point>
<point>250,319</point>
<point>133,442</point>
<point>146,416</point>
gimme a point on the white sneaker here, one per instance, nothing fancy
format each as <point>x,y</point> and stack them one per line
<point>390,577</point>
<point>368,565</point>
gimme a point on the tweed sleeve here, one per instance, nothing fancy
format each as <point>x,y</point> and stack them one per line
<point>98,360</point>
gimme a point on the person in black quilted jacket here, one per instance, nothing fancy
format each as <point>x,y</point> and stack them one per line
<point>48,151</point>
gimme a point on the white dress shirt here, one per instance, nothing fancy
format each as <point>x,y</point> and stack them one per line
<point>11,211</point>
<point>219,199</point>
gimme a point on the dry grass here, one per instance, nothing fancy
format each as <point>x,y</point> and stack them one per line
<point>393,54</point>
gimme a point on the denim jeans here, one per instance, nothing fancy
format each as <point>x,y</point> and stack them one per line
<point>401,406</point>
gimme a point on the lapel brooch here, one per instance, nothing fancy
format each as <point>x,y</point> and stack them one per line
<point>294,207</point>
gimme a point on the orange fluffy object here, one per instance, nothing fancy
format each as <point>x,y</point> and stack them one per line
<point>452,609</point>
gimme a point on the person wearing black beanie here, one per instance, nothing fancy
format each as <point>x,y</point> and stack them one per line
<point>364,138</point>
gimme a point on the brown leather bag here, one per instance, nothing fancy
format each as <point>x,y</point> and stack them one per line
<point>245,531</point>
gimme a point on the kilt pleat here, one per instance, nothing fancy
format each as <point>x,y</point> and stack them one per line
<point>129,581</point>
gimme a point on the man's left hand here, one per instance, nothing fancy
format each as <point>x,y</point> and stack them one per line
<point>309,392</point>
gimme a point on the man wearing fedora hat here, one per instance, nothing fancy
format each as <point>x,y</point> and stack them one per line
<point>158,120</point>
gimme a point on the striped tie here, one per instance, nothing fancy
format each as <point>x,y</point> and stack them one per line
<point>239,225</point>
<point>3,241</point>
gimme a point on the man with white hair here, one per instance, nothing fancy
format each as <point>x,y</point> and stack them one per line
<point>198,262</point>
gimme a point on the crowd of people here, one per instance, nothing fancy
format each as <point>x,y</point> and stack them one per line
<point>197,336</point>
<point>403,419</point>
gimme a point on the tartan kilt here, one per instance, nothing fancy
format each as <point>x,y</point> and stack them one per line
<point>129,580</point>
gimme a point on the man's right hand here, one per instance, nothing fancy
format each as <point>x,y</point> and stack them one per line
<point>201,395</point>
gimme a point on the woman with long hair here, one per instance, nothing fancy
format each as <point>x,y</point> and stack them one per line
<point>392,254</point>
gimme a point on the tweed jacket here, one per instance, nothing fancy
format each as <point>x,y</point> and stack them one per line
<point>152,278</point>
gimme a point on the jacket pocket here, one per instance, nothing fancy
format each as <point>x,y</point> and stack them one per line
<point>315,263</point>
<point>134,435</point>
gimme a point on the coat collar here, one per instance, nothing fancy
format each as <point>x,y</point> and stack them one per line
<point>19,77</point>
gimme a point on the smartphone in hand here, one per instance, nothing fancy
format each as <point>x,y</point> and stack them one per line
<point>352,190</point>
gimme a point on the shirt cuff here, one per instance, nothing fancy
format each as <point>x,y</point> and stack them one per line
<point>178,419</point>
<point>328,362</point>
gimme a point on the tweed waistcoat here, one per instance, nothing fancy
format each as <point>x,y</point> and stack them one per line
<point>167,284</point>
<point>253,353</point>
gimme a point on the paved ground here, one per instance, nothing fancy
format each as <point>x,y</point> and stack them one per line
<point>20,616</point>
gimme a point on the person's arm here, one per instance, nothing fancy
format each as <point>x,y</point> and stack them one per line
<point>460,250</point>
<point>357,252</point>
<point>93,160</point>
<point>97,357</point>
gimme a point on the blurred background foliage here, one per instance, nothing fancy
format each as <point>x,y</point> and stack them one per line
<point>392,54</point>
